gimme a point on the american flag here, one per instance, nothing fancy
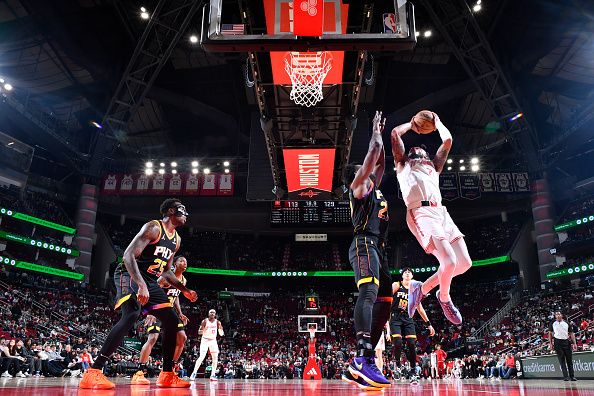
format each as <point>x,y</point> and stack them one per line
<point>232,29</point>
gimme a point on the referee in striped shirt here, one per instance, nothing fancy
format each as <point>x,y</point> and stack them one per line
<point>560,334</point>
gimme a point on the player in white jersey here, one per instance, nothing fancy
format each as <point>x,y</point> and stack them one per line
<point>209,329</point>
<point>428,219</point>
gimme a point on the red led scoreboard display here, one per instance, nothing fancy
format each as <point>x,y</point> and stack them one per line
<point>310,213</point>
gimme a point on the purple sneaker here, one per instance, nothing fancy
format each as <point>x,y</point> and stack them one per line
<point>415,296</point>
<point>365,368</point>
<point>358,382</point>
<point>449,310</point>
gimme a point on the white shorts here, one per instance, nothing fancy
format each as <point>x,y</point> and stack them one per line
<point>381,344</point>
<point>208,345</point>
<point>426,222</point>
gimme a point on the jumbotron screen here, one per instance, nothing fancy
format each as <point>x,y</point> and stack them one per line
<point>310,213</point>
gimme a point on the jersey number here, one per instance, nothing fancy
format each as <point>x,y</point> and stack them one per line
<point>157,268</point>
<point>403,304</point>
<point>384,204</point>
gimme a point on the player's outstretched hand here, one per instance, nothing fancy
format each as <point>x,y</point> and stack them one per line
<point>191,295</point>
<point>184,319</point>
<point>431,331</point>
<point>143,294</point>
<point>378,122</point>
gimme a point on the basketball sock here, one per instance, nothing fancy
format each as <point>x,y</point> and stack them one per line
<point>397,341</point>
<point>215,363</point>
<point>364,347</point>
<point>142,367</point>
<point>364,310</point>
<point>130,313</point>
<point>411,353</point>
<point>169,321</point>
<point>379,317</point>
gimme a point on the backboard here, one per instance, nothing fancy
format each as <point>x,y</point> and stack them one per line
<point>305,322</point>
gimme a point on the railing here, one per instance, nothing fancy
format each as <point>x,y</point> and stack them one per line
<point>516,296</point>
<point>99,337</point>
<point>537,349</point>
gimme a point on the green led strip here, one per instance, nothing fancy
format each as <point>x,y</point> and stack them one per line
<point>578,269</point>
<point>574,223</point>
<point>39,244</point>
<point>41,268</point>
<point>224,272</point>
<point>37,220</point>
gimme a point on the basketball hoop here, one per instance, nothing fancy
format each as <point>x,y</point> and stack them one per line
<point>307,71</point>
<point>312,333</point>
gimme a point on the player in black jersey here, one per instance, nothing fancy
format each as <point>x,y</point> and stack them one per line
<point>369,211</point>
<point>401,325</point>
<point>153,326</point>
<point>147,259</point>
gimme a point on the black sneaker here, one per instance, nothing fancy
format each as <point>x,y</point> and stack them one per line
<point>573,379</point>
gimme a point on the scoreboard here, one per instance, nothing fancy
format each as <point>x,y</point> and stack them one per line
<point>310,213</point>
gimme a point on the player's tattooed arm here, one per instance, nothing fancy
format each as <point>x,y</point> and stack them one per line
<point>380,167</point>
<point>177,308</point>
<point>376,145</point>
<point>397,143</point>
<point>148,234</point>
<point>444,150</point>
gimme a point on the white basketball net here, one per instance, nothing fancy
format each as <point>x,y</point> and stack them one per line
<point>307,71</point>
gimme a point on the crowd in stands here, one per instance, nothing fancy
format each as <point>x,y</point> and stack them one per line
<point>577,209</point>
<point>34,203</point>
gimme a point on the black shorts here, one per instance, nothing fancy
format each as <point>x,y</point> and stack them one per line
<point>126,288</point>
<point>370,264</point>
<point>156,328</point>
<point>401,325</point>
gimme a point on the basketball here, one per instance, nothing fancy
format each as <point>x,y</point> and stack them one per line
<point>424,121</point>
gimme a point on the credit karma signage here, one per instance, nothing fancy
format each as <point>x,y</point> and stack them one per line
<point>40,244</point>
<point>309,171</point>
<point>573,270</point>
<point>547,366</point>
<point>41,268</point>
<point>574,223</point>
<point>36,220</point>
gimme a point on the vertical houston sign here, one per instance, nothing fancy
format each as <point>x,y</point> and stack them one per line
<point>309,171</point>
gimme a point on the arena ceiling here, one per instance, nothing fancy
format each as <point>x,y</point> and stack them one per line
<point>66,57</point>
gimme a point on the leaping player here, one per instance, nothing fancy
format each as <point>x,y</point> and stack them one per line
<point>367,254</point>
<point>428,219</point>
<point>208,329</point>
<point>402,325</point>
<point>154,326</point>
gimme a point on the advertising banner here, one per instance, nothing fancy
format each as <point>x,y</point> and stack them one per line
<point>547,366</point>
<point>309,171</point>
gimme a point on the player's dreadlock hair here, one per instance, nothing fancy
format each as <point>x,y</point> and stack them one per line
<point>168,204</point>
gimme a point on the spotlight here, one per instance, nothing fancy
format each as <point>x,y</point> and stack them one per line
<point>461,161</point>
<point>206,171</point>
<point>193,39</point>
<point>226,170</point>
<point>194,171</point>
<point>10,143</point>
<point>462,168</point>
<point>96,125</point>
<point>449,161</point>
<point>162,164</point>
<point>174,164</point>
<point>477,7</point>
<point>148,171</point>
<point>144,13</point>
<point>427,33</point>
<point>519,115</point>
<point>474,160</point>
<point>161,171</point>
<point>474,168</point>
<point>149,164</point>
<point>1,81</point>
<point>394,168</point>
<point>479,1</point>
<point>8,87</point>
<point>174,171</point>
<point>449,168</point>
<point>142,9</point>
<point>194,164</point>
<point>417,34</point>
<point>226,163</point>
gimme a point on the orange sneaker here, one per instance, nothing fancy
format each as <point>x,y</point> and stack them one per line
<point>138,379</point>
<point>94,379</point>
<point>171,380</point>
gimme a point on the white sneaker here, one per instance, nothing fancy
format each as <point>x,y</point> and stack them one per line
<point>193,377</point>
<point>213,379</point>
<point>21,375</point>
<point>5,375</point>
<point>74,373</point>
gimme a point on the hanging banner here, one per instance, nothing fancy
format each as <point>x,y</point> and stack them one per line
<point>127,184</point>
<point>503,182</point>
<point>192,184</point>
<point>521,182</point>
<point>308,18</point>
<point>309,172</point>
<point>110,184</point>
<point>158,186</point>
<point>487,182</point>
<point>225,184</point>
<point>142,184</point>
<point>448,184</point>
<point>175,184</point>
<point>470,187</point>
<point>209,185</point>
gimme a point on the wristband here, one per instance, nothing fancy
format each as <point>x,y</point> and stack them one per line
<point>428,323</point>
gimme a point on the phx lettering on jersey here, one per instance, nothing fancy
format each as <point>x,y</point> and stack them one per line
<point>164,252</point>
